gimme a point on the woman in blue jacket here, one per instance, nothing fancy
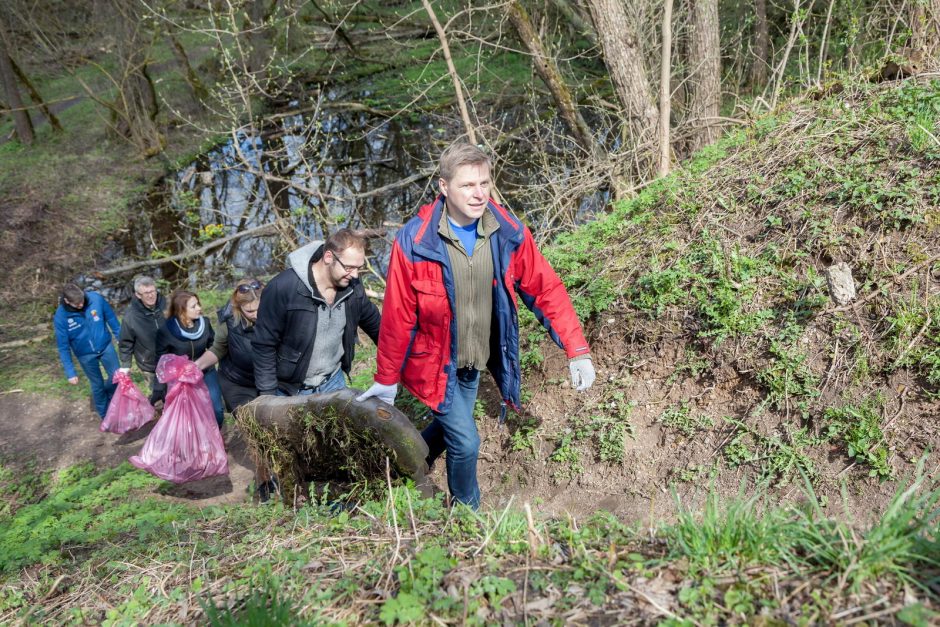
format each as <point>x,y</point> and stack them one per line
<point>81,324</point>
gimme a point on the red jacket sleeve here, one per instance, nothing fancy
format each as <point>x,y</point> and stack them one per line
<point>546,295</point>
<point>399,318</point>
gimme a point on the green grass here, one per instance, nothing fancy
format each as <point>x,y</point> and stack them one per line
<point>858,426</point>
<point>401,559</point>
<point>82,507</point>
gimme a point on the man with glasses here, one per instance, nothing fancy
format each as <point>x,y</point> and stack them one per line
<point>450,311</point>
<point>142,319</point>
<point>305,337</point>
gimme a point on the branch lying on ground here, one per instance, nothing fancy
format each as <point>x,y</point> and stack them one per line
<point>264,229</point>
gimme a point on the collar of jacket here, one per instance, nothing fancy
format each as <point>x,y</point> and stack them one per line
<point>138,304</point>
<point>74,310</point>
<point>427,241</point>
<point>313,292</point>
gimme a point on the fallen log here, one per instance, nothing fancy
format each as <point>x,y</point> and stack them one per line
<point>264,229</point>
<point>331,438</point>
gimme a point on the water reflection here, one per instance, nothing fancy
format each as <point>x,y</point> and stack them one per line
<point>314,173</point>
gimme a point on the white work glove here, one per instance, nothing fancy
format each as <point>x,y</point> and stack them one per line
<point>582,373</point>
<point>385,393</point>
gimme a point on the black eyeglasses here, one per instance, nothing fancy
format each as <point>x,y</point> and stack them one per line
<point>250,287</point>
<point>349,269</point>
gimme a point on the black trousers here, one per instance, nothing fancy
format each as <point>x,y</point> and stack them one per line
<point>235,395</point>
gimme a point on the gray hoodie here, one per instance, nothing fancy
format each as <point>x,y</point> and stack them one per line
<point>328,347</point>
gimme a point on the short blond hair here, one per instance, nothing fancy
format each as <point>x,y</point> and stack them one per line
<point>461,153</point>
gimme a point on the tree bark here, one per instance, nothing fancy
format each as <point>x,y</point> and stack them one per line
<point>35,97</point>
<point>624,61</point>
<point>548,72</point>
<point>665,96</point>
<point>761,46</point>
<point>257,36</point>
<point>137,100</point>
<point>574,18</point>
<point>197,89</point>
<point>925,28</point>
<point>454,77</point>
<point>21,121</point>
<point>264,229</point>
<point>705,66</point>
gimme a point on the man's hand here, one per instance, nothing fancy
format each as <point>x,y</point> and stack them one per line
<point>73,380</point>
<point>582,374</point>
<point>385,393</point>
<point>124,370</point>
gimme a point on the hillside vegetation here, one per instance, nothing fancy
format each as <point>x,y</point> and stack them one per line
<point>710,305</point>
<point>786,436</point>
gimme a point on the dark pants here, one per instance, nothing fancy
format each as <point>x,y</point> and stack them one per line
<point>101,390</point>
<point>456,432</point>
<point>236,395</point>
<point>211,377</point>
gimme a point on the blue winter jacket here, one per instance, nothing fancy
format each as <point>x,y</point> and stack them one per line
<point>85,332</point>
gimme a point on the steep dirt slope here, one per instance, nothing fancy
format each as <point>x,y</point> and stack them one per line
<point>722,358</point>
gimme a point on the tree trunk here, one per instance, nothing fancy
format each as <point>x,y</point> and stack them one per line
<point>705,68</point>
<point>257,38</point>
<point>137,100</point>
<point>452,70</point>
<point>761,46</point>
<point>197,89</point>
<point>548,72</point>
<point>21,121</point>
<point>624,61</point>
<point>925,28</point>
<point>35,97</point>
<point>665,72</point>
<point>574,18</point>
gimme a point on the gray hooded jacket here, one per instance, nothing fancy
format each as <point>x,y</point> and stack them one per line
<point>289,321</point>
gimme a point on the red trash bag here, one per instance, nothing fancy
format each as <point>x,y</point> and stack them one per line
<point>129,409</point>
<point>186,445</point>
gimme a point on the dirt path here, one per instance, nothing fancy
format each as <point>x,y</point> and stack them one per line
<point>56,433</point>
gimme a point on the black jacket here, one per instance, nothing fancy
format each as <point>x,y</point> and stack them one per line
<point>238,365</point>
<point>287,323</point>
<point>139,334</point>
<point>170,343</point>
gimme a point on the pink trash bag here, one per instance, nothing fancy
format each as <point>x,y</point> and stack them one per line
<point>186,444</point>
<point>129,408</point>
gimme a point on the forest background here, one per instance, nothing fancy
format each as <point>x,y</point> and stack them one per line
<point>758,445</point>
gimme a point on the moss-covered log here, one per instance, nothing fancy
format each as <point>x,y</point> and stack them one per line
<point>331,438</point>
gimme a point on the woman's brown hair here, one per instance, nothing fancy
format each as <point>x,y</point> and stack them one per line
<point>178,301</point>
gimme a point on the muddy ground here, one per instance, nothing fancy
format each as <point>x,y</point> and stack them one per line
<point>50,432</point>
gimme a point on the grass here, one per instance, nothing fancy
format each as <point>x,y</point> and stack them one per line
<point>399,559</point>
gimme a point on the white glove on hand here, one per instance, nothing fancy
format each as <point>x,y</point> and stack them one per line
<point>385,393</point>
<point>582,374</point>
<point>124,370</point>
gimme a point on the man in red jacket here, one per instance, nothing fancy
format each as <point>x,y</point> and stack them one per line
<point>450,310</point>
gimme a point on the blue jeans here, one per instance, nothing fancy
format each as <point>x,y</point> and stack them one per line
<point>101,390</point>
<point>336,382</point>
<point>456,432</point>
<point>211,377</point>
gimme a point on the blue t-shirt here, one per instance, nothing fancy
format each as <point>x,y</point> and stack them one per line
<point>466,234</point>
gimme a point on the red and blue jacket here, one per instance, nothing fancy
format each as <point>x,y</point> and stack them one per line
<point>418,336</point>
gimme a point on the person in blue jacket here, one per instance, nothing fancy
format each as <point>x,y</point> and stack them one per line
<point>81,325</point>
